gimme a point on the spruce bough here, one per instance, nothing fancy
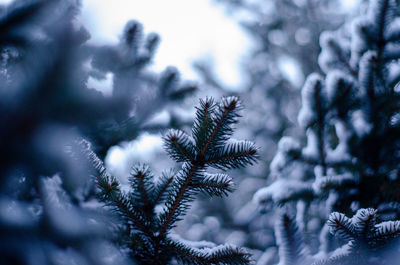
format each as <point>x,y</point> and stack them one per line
<point>146,230</point>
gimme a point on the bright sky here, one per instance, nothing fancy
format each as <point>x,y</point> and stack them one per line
<point>189,30</point>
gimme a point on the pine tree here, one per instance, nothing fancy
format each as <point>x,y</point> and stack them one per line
<point>151,208</point>
<point>350,160</point>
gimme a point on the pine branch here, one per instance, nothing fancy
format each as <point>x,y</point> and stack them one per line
<point>386,232</point>
<point>161,188</point>
<point>202,127</point>
<point>137,208</point>
<point>213,184</point>
<point>180,195</point>
<point>218,255</point>
<point>179,146</point>
<point>366,240</point>
<point>365,220</point>
<point>135,217</point>
<point>342,226</point>
<point>143,188</point>
<point>234,155</point>
<point>211,130</point>
<point>225,116</point>
<point>290,242</point>
<point>335,260</point>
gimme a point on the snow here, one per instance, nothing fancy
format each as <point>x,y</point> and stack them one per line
<point>341,152</point>
<point>359,42</point>
<point>63,216</point>
<point>311,150</point>
<point>285,145</point>
<point>333,87</point>
<point>391,228</point>
<point>307,113</point>
<point>279,190</point>
<point>335,47</point>
<point>194,244</point>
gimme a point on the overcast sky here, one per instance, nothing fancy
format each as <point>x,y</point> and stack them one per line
<point>188,29</point>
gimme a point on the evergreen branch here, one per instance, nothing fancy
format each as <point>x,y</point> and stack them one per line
<point>161,188</point>
<point>335,182</point>
<point>233,155</point>
<point>176,203</point>
<point>225,116</point>
<point>203,123</point>
<point>183,91</point>
<point>185,254</point>
<point>335,260</point>
<point>330,44</point>
<point>142,185</point>
<point>381,17</point>
<point>109,187</point>
<point>140,245</point>
<point>342,255</point>
<point>366,80</point>
<point>169,81</point>
<point>386,231</point>
<point>179,145</point>
<point>228,255</point>
<point>284,191</point>
<point>365,220</point>
<point>152,41</point>
<point>133,36</point>
<point>137,209</point>
<point>220,255</point>
<point>213,184</point>
<point>216,131</point>
<point>320,111</point>
<point>340,225</point>
<point>133,214</point>
<point>290,241</point>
